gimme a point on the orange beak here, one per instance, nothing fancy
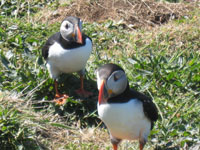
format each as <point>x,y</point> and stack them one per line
<point>103,96</point>
<point>79,36</point>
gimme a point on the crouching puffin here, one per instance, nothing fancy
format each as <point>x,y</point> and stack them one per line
<point>67,51</point>
<point>128,114</point>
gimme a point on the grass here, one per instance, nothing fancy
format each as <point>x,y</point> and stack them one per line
<point>162,62</point>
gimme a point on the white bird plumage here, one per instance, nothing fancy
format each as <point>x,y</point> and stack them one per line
<point>68,61</point>
<point>125,120</point>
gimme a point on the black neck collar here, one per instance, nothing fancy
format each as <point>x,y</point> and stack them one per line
<point>71,44</point>
<point>122,98</point>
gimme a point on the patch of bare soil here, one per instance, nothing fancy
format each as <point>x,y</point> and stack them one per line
<point>136,13</point>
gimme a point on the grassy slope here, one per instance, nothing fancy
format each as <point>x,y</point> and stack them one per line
<point>162,62</point>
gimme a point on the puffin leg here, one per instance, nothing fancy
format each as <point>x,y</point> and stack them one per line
<point>59,98</point>
<point>82,91</point>
<point>115,142</point>
<point>142,143</point>
<point>115,146</point>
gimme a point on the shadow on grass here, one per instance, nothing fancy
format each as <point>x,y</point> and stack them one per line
<point>187,146</point>
<point>165,148</point>
<point>77,108</point>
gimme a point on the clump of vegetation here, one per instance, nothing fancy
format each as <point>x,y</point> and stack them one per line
<point>14,134</point>
<point>22,8</point>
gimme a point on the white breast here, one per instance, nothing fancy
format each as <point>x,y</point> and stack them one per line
<point>68,61</point>
<point>125,120</point>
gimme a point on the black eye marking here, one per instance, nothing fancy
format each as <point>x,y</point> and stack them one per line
<point>66,26</point>
<point>115,78</point>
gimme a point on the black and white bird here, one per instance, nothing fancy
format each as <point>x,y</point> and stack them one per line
<point>67,51</point>
<point>128,114</point>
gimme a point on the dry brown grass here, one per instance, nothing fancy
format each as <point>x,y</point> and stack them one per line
<point>134,13</point>
<point>178,35</point>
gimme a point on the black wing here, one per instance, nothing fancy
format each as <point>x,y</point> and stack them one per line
<point>50,41</point>
<point>150,109</point>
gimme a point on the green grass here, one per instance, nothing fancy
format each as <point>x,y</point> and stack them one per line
<point>162,62</point>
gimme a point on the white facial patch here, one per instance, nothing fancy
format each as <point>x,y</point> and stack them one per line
<point>66,29</point>
<point>117,82</point>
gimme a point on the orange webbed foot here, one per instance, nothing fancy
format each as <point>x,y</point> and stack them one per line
<point>60,99</point>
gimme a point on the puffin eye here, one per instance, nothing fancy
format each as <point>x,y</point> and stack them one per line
<point>118,75</point>
<point>115,78</point>
<point>67,26</point>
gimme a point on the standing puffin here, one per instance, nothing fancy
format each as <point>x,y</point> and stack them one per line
<point>67,51</point>
<point>128,114</point>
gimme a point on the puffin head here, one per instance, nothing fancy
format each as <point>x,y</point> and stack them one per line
<point>111,81</point>
<point>71,29</point>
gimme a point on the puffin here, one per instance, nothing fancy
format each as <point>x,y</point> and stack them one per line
<point>67,51</point>
<point>127,113</point>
